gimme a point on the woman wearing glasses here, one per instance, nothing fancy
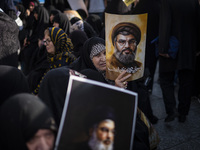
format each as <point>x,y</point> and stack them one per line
<point>59,48</point>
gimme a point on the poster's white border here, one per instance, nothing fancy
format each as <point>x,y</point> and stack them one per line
<point>71,79</point>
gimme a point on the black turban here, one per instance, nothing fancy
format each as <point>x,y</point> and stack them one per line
<point>100,114</point>
<point>127,27</point>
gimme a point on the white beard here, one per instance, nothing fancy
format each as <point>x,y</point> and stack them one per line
<point>95,144</point>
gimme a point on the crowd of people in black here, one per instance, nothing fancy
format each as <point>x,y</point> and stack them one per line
<point>40,47</point>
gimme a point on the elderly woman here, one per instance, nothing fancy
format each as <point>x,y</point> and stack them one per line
<point>93,56</point>
<point>59,48</point>
<point>26,124</point>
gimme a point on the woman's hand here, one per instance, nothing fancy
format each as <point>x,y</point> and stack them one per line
<point>120,81</point>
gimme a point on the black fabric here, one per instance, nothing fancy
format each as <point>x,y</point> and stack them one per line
<point>25,57</point>
<point>141,137</point>
<point>74,20</point>
<point>41,24</point>
<point>78,38</point>
<point>9,8</point>
<point>39,65</point>
<point>117,7</point>
<point>59,4</point>
<point>89,30</point>
<point>12,82</point>
<point>176,21</point>
<point>82,13</point>
<point>37,33</point>
<point>53,90</point>
<point>9,43</point>
<point>97,115</point>
<point>84,61</point>
<point>93,75</point>
<point>22,9</point>
<point>95,22</point>
<point>21,117</point>
<point>182,23</point>
<point>186,81</point>
<point>63,21</point>
<point>50,9</point>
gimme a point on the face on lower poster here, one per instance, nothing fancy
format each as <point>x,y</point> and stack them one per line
<point>97,115</point>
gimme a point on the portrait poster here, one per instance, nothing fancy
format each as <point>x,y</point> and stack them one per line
<point>125,45</point>
<point>85,96</point>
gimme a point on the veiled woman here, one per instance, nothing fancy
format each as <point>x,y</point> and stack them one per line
<point>26,124</point>
<point>59,48</point>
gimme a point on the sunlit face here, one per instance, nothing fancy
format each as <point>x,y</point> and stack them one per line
<point>49,44</point>
<point>105,132</point>
<point>99,61</point>
<point>125,48</point>
<point>55,24</point>
<point>42,140</point>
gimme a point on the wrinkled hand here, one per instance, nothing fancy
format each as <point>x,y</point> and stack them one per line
<point>120,81</point>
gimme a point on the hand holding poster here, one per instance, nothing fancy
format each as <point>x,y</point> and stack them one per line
<point>93,110</point>
<point>125,45</point>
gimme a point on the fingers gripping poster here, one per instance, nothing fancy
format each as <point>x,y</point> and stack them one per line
<point>125,45</point>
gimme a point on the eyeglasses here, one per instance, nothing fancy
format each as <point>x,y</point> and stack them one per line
<point>46,41</point>
<point>130,42</point>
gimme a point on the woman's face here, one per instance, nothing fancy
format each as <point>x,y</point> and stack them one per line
<point>55,24</point>
<point>43,139</point>
<point>99,61</point>
<point>49,44</point>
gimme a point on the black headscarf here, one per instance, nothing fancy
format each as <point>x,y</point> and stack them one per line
<point>12,82</point>
<point>93,75</point>
<point>21,117</point>
<point>82,13</point>
<point>59,4</point>
<point>9,8</point>
<point>78,38</point>
<point>84,61</point>
<point>22,9</point>
<point>95,22</point>
<point>9,43</point>
<point>63,21</point>
<point>53,90</point>
<point>42,23</point>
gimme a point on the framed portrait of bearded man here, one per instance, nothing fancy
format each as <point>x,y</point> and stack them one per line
<point>125,45</point>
